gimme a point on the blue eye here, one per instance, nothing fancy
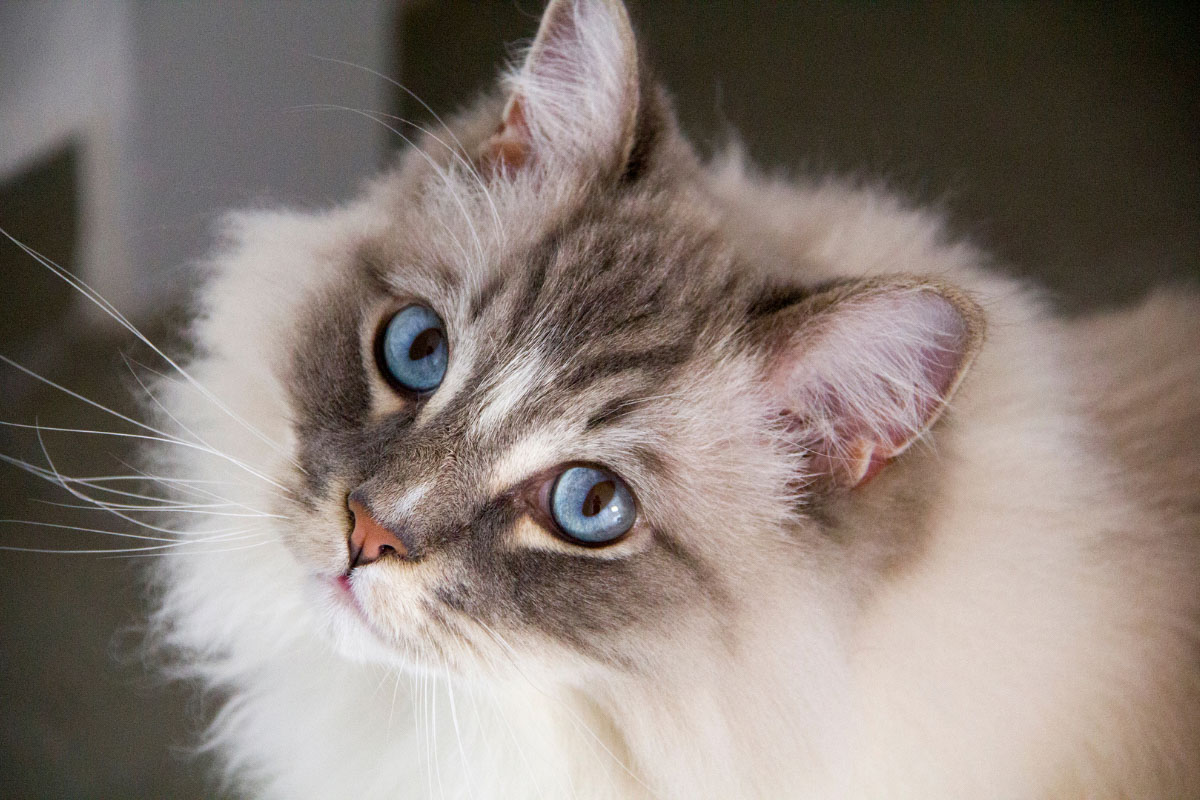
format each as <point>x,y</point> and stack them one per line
<point>412,350</point>
<point>591,506</point>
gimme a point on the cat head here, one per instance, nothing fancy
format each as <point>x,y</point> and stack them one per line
<point>544,411</point>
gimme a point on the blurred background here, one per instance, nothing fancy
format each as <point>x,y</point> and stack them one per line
<point>1063,137</point>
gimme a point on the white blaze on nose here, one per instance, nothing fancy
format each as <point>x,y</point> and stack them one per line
<point>518,378</point>
<point>408,501</point>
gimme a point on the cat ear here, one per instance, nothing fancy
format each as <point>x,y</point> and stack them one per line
<point>575,97</point>
<point>859,372</point>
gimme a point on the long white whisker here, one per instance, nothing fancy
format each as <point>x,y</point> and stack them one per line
<point>86,498</point>
<point>445,178</point>
<point>414,703</point>
<point>434,741</point>
<point>438,171</point>
<point>160,504</point>
<point>118,534</point>
<point>166,501</point>
<point>466,258</point>
<point>399,86</point>
<point>423,720</point>
<point>147,437</point>
<point>94,297</point>
<point>81,398</point>
<point>471,169</point>
<point>192,488</point>
<point>485,740</point>
<point>462,751</point>
<point>95,483</point>
<point>456,153</point>
<point>198,552</point>
<point>172,508</point>
<point>154,398</point>
<point>392,707</point>
<point>157,548</point>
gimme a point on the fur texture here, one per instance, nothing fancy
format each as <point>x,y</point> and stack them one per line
<point>880,552</point>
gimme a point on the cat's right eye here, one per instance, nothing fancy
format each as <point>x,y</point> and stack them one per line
<point>591,506</point>
<point>411,349</point>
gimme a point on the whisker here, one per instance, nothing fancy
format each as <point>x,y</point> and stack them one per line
<point>433,751</point>
<point>205,551</point>
<point>166,507</point>
<point>150,497</point>
<point>165,439</point>
<point>437,171</point>
<point>157,548</point>
<point>457,154</point>
<point>95,298</point>
<point>118,534</point>
<point>462,752</point>
<point>392,707</point>
<point>94,483</point>
<point>194,489</point>
<point>80,397</point>
<point>485,740</point>
<point>149,393</point>
<point>80,495</point>
<point>399,86</point>
<point>470,167</point>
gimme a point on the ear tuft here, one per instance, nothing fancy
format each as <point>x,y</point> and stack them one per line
<point>860,372</point>
<point>575,97</point>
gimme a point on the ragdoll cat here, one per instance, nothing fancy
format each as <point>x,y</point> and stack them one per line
<point>593,470</point>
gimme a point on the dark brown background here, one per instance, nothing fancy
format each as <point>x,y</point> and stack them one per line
<point>1066,138</point>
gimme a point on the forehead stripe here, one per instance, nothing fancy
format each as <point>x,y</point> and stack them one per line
<point>657,359</point>
<point>484,297</point>
<point>522,314</point>
<point>612,411</point>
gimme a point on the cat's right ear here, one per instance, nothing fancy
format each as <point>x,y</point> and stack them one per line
<point>858,372</point>
<point>574,100</point>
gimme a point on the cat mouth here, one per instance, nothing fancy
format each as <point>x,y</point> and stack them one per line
<point>343,591</point>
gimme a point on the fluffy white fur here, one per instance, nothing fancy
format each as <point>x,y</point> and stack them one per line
<point>1042,645</point>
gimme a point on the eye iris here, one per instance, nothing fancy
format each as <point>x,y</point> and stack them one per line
<point>592,506</point>
<point>414,350</point>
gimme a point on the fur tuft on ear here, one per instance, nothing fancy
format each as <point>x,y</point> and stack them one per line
<point>859,372</point>
<point>575,97</point>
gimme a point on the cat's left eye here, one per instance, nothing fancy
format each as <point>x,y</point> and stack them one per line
<point>411,349</point>
<point>591,506</point>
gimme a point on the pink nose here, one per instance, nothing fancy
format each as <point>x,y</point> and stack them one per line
<point>370,541</point>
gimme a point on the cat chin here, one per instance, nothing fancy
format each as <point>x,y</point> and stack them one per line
<point>348,630</point>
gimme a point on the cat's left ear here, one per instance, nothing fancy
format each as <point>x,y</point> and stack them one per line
<point>575,98</point>
<point>858,372</point>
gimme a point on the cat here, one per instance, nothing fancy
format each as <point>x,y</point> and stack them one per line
<point>581,467</point>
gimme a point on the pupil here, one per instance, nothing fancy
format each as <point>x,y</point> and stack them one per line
<point>425,344</point>
<point>598,498</point>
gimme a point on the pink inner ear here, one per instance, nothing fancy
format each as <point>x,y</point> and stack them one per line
<point>868,376</point>
<point>509,147</point>
<point>575,97</point>
<point>939,361</point>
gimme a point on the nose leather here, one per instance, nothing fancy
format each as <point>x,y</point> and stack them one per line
<point>370,541</point>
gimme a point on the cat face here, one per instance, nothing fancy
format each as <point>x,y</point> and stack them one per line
<point>544,411</point>
<point>606,344</point>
